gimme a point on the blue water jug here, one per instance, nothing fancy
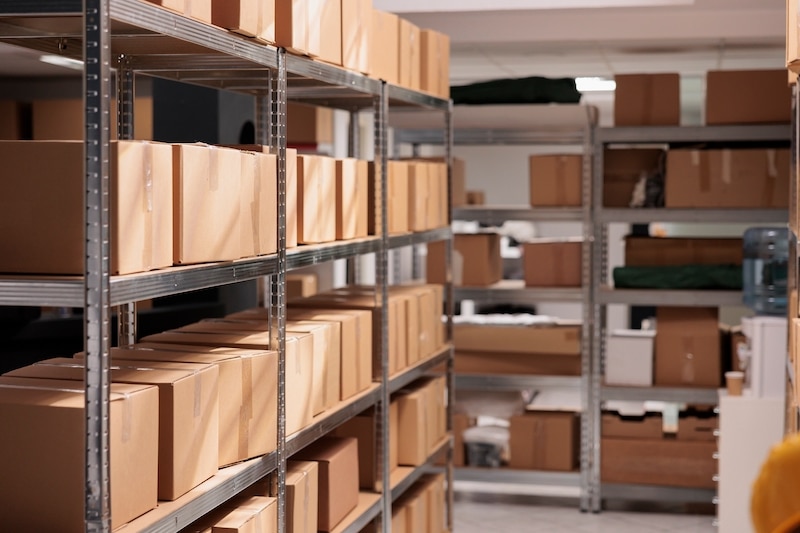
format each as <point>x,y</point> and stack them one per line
<point>765,270</point>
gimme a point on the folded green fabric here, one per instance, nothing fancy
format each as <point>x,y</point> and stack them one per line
<point>533,90</point>
<point>704,277</point>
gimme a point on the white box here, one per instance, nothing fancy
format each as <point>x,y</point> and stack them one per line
<point>764,358</point>
<point>629,357</point>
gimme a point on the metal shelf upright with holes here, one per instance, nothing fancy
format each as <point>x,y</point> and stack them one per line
<point>110,35</point>
<point>668,136</point>
<point>526,125</point>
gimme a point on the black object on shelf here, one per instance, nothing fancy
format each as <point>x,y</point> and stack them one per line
<point>532,90</point>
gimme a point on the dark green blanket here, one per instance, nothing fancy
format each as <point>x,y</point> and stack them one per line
<point>533,90</point>
<point>701,277</point>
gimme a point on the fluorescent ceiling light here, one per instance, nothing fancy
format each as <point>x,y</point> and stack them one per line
<point>432,6</point>
<point>61,61</point>
<point>588,85</point>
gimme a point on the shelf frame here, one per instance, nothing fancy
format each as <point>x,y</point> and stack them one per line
<point>689,395</point>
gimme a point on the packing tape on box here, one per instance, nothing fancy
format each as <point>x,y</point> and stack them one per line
<point>727,167</point>
<point>213,168</point>
<point>246,409</point>
<point>149,235</point>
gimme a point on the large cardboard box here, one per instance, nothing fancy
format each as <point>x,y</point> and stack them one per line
<point>300,286</point>
<point>727,178</point>
<point>240,16</point>
<point>302,493</point>
<point>662,462</point>
<point>413,411</point>
<point>337,461</point>
<point>50,180</point>
<point>434,487</point>
<point>419,196</point>
<point>292,25</point>
<point>248,397</point>
<point>398,181</point>
<point>409,49</point>
<point>676,251</point>
<point>476,260</point>
<point>316,187</point>
<point>206,180</point>
<point>688,347</point>
<point>427,314</point>
<point>435,63</point>
<point>356,35</point>
<point>385,49</point>
<point>364,429</point>
<point>556,180</point>
<point>537,364</point>
<point>792,38</point>
<point>327,362</point>
<point>461,422</point>
<point>553,262</point>
<point>188,414</point>
<point>201,10</point>
<point>647,100</point>
<point>329,27</point>
<point>399,519</point>
<point>44,446</point>
<point>544,441</point>
<point>259,204</point>
<point>645,426</point>
<point>748,97</point>
<point>351,198</point>
<point>256,514</point>
<point>12,118</point>
<point>622,169</point>
<point>415,503</point>
<point>308,125</point>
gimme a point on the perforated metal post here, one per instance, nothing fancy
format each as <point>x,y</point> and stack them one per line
<point>126,313</point>
<point>278,289</point>
<point>449,309</point>
<point>97,92</point>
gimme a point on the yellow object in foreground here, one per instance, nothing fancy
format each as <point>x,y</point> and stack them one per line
<point>775,506</point>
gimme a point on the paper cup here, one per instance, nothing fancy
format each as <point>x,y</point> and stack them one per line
<point>735,383</point>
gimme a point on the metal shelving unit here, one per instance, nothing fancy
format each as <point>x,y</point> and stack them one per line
<point>525,125</point>
<point>669,137</point>
<point>134,36</point>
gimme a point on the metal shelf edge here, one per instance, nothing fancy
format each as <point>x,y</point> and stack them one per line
<point>365,518</point>
<point>656,493</point>
<point>522,477</point>
<point>304,256</point>
<point>515,382</point>
<point>498,215</point>
<point>698,215</point>
<point>664,297</point>
<point>666,394</point>
<point>422,237</point>
<point>419,471</point>
<point>678,134</point>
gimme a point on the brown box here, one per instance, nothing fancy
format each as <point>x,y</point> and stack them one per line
<point>687,347</point>
<point>316,186</point>
<point>419,196</point>
<point>671,463</point>
<point>252,515</point>
<point>337,460</point>
<point>44,453</point>
<point>51,181</point>
<point>385,50</point>
<point>748,97</point>
<point>727,178</point>
<point>412,409</point>
<point>188,415</point>
<point>434,487</point>
<point>647,100</point>
<point>302,497</point>
<point>351,198</point>
<point>329,28</point>
<point>427,314</point>
<point>536,364</point>
<point>435,63</point>
<point>61,119</point>
<point>206,180</point>
<point>553,262</point>
<point>199,10</point>
<point>300,286</point>
<point>409,49</point>
<point>415,504</point>
<point>292,25</point>
<point>693,427</point>
<point>475,256</point>
<point>364,429</point>
<point>555,180</point>
<point>259,204</point>
<point>458,184</point>
<point>646,426</point>
<point>362,204</point>
<point>327,363</point>
<point>622,169</point>
<point>356,35</point>
<point>398,181</point>
<point>476,198</point>
<point>676,251</point>
<point>240,16</point>
<point>11,120</point>
<point>399,519</point>
<point>544,441</point>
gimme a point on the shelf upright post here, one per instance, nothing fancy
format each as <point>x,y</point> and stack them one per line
<point>353,150</point>
<point>449,308</point>
<point>381,106</point>
<point>97,95</point>
<point>278,287</point>
<point>126,313</point>
<point>792,412</point>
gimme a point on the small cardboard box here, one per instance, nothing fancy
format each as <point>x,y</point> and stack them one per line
<point>688,347</point>
<point>291,198</point>
<point>327,363</point>
<point>556,180</point>
<point>240,16</point>
<point>545,441</point>
<point>329,27</point>
<point>399,518</point>
<point>44,453</point>
<point>622,169</point>
<point>644,426</point>
<point>307,125</point>
<point>351,199</point>
<point>420,196</point>
<point>629,358</point>
<point>553,262</point>
<point>412,409</point>
<point>410,59</point>
<point>199,10</point>
<point>727,178</point>
<point>676,251</point>
<point>61,119</point>
<point>434,487</point>
<point>188,414</point>
<point>302,493</point>
<point>292,25</point>
<point>316,187</point>
<point>259,204</point>
<point>300,286</point>
<point>398,179</point>
<point>435,63</point>
<point>337,460</point>
<point>364,429</point>
<point>647,100</point>
<point>415,503</point>
<point>385,49</point>
<point>748,97</point>
<point>476,260</point>
<point>256,514</point>
<point>356,35</point>
<point>428,316</point>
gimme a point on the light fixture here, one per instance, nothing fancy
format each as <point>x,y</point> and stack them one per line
<point>427,6</point>
<point>588,85</point>
<point>62,61</point>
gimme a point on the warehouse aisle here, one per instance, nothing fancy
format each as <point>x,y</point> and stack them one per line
<point>485,517</point>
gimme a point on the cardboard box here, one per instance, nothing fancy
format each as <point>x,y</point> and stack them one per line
<point>397,212</point>
<point>676,251</point>
<point>44,453</point>
<point>646,426</point>
<point>292,25</point>
<point>458,182</point>
<point>300,286</point>
<point>337,460</point>
<point>253,515</point>
<point>748,97</point>
<point>545,441</point>
<point>536,364</point>
<point>553,262</point>
<point>647,100</point>
<point>178,6</point>
<point>188,415</point>
<point>410,60</point>
<point>351,198</point>
<point>727,178</point>
<point>412,409</point>
<point>199,10</point>
<point>792,38</point>
<point>427,315</point>
<point>622,169</point>
<point>434,487</point>
<point>62,119</point>
<point>12,120</point>
<point>435,63</point>
<point>356,35</point>
<point>308,125</point>
<point>661,462</point>
<point>558,340</point>
<point>437,177</point>
<point>291,198</point>
<point>240,16</point>
<point>629,358</point>
<point>329,27</point>
<point>476,260</point>
<point>314,13</point>
<point>476,198</point>
<point>364,429</point>
<point>248,398</point>
<point>697,427</point>
<point>362,204</point>
<point>399,519</point>
<point>327,363</point>
<point>688,347</point>
<point>556,180</point>
<point>302,490</point>
<point>316,186</point>
<point>414,502</point>
<point>51,181</point>
<point>385,49</point>
<point>419,196</point>
<point>206,180</point>
<point>259,204</point>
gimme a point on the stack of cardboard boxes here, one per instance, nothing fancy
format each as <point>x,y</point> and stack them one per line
<point>421,508</point>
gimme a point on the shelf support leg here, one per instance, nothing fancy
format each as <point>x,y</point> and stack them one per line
<point>126,313</point>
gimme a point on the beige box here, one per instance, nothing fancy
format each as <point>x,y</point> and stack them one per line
<point>555,180</point>
<point>385,49</point>
<point>206,180</point>
<point>291,198</point>
<point>44,453</point>
<point>291,25</point>
<point>415,503</point>
<point>301,286</point>
<point>356,34</point>
<point>398,176</point>
<point>302,496</point>
<point>329,27</point>
<point>351,198</point>
<point>409,61</point>
<point>62,119</point>
<point>308,125</point>
<point>647,100</point>
<point>419,195</point>
<point>748,97</point>
<point>434,487</point>
<point>412,408</point>
<point>256,514</point>
<point>435,63</point>
<point>545,441</point>
<point>188,415</point>
<point>259,204</point>
<point>316,186</point>
<point>240,16</point>
<point>50,180</point>
<point>476,260</point>
<point>325,386</point>
<point>363,428</point>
